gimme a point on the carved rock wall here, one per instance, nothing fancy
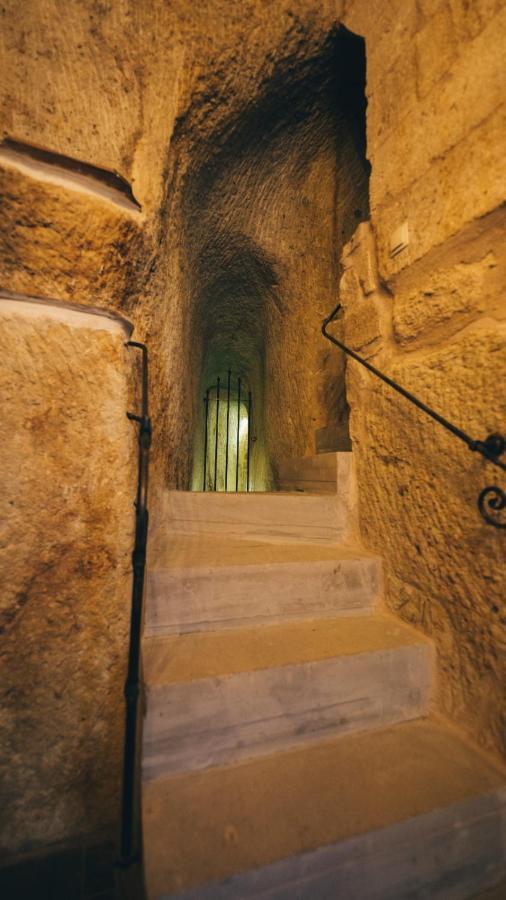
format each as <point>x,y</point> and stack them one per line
<point>433,317</point>
<point>66,517</point>
<point>418,485</point>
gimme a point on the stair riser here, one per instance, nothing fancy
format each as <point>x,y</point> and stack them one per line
<point>307,486</point>
<point>207,598</point>
<point>328,473</point>
<point>322,467</point>
<point>278,518</point>
<point>218,720</point>
<point>448,854</point>
<point>321,474</point>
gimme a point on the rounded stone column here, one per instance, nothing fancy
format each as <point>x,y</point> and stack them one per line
<point>67,457</point>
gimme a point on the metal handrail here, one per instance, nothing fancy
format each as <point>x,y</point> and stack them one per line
<point>491,497</point>
<point>130,819</point>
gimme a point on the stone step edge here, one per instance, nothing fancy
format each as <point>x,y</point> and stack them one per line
<point>184,599</point>
<point>153,631</point>
<point>419,640</point>
<point>315,713</point>
<point>355,860</point>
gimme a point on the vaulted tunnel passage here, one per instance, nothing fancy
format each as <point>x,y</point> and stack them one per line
<point>271,197</point>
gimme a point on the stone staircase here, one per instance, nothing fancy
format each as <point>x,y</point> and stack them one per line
<point>288,748</point>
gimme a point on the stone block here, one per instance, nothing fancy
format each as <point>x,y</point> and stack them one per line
<point>436,49</point>
<point>199,584</point>
<point>399,795</point>
<point>216,698</point>
<point>360,253</point>
<point>471,91</point>
<point>447,299</point>
<point>60,242</point>
<point>427,522</point>
<point>276,516</point>
<point>391,96</point>
<point>363,327</point>
<point>472,176</point>
<point>67,458</point>
<point>383,25</point>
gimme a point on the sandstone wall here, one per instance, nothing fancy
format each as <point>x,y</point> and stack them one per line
<point>433,318</point>
<point>66,516</point>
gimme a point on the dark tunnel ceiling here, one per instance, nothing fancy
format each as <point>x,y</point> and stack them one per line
<point>303,108</point>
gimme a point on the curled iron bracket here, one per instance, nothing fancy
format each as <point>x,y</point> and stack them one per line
<point>492,499</point>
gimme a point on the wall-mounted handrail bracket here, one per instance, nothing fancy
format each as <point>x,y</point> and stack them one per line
<point>492,499</point>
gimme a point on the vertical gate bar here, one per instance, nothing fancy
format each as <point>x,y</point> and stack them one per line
<point>249,442</point>
<point>217,430</point>
<point>228,421</point>
<point>206,405</point>
<point>237,440</point>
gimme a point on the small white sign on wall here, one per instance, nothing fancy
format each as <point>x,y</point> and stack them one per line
<point>399,239</point>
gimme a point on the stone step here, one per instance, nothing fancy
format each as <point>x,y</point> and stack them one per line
<point>282,517</point>
<point>409,811</point>
<point>197,583</point>
<point>216,697</point>
<point>321,474</point>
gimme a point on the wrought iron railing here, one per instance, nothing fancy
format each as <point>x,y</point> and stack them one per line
<point>130,844</point>
<point>213,475</point>
<point>492,499</point>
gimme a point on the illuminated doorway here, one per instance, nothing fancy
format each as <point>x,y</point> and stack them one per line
<point>227,435</point>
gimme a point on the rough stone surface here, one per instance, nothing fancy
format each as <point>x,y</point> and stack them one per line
<point>66,525</point>
<point>228,126</point>
<point>53,238</point>
<point>418,485</point>
<point>197,583</point>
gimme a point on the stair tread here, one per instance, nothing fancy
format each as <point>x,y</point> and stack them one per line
<point>206,551</point>
<point>181,658</point>
<point>214,823</point>
<point>278,516</point>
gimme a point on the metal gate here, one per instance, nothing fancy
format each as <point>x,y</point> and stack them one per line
<point>227,436</point>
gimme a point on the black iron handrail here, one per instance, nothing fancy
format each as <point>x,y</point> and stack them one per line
<point>130,816</point>
<point>492,498</point>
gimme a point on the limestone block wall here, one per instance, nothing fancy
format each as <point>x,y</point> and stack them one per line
<point>67,457</point>
<point>418,485</point>
<point>433,317</point>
